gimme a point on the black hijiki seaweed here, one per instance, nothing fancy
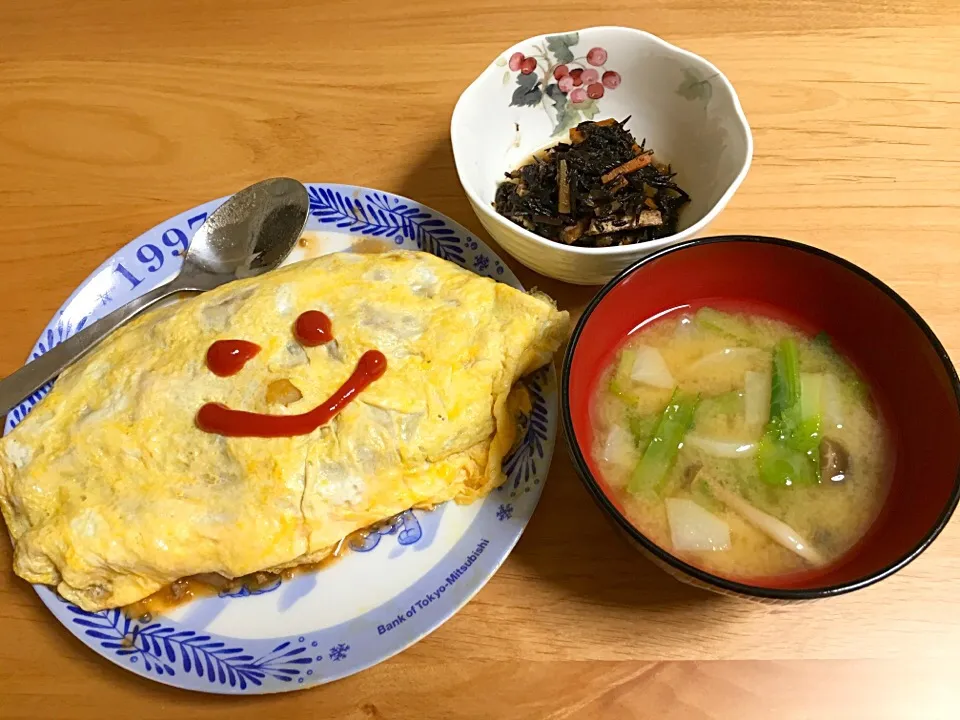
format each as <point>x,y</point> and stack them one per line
<point>632,206</point>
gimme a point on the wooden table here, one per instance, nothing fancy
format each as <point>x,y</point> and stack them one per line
<point>116,115</point>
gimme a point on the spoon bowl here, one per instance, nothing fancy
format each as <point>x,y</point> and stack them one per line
<point>250,233</point>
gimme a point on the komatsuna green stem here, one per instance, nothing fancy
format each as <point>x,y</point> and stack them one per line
<point>789,449</point>
<point>661,452</point>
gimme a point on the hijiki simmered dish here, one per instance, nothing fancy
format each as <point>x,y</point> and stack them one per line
<point>739,443</point>
<point>602,189</point>
<point>255,427</point>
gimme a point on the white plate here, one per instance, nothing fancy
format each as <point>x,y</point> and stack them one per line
<point>380,598</point>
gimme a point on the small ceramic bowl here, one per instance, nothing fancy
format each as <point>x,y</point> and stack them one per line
<point>684,107</point>
<point>895,350</point>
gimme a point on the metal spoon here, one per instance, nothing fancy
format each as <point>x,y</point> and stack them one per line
<point>250,233</point>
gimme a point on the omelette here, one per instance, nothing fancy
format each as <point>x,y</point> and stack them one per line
<point>114,487</point>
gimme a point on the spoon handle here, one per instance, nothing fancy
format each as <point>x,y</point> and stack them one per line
<point>14,388</point>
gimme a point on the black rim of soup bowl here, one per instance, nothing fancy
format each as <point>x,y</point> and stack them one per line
<point>716,581</point>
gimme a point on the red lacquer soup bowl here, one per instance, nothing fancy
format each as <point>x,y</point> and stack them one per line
<point>911,376</point>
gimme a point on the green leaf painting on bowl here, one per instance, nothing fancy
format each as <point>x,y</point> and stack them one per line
<point>694,87</point>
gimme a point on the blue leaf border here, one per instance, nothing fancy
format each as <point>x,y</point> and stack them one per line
<point>164,650</point>
<point>520,466</point>
<point>382,215</point>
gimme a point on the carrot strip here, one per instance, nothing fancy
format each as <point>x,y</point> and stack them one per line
<point>629,166</point>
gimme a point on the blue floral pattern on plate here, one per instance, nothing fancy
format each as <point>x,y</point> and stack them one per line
<point>183,652</point>
<point>383,215</point>
<point>165,651</point>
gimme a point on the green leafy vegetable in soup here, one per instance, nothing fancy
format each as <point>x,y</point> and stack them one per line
<point>661,452</point>
<point>740,443</point>
<point>790,446</point>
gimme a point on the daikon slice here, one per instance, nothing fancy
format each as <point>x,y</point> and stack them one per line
<point>650,368</point>
<point>693,528</point>
<point>619,448</point>
<point>756,399</point>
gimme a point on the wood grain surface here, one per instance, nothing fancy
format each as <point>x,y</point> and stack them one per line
<point>116,115</point>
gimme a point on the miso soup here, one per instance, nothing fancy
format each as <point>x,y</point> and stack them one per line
<point>740,444</point>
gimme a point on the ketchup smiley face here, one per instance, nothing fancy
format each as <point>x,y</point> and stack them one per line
<point>227,357</point>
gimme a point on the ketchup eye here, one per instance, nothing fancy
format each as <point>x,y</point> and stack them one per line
<point>313,328</point>
<point>227,357</point>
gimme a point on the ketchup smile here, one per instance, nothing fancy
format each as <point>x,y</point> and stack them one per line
<point>221,420</point>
